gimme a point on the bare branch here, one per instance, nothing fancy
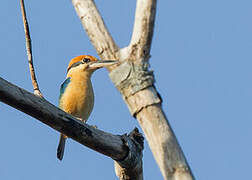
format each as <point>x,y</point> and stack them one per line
<point>143,29</point>
<point>136,84</point>
<point>95,28</point>
<point>115,146</point>
<point>29,51</point>
<point>144,103</point>
<point>164,144</point>
<point>108,144</point>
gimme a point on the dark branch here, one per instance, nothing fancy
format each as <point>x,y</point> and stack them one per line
<point>108,144</point>
<point>131,167</point>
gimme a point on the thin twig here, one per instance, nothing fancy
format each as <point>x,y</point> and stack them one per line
<point>29,51</point>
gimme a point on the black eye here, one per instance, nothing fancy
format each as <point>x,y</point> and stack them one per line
<point>86,60</point>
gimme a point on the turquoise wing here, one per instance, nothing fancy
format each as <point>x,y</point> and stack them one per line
<point>63,87</point>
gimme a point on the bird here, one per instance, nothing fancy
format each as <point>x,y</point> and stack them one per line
<point>76,92</point>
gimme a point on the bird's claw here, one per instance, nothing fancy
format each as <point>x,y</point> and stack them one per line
<point>94,126</point>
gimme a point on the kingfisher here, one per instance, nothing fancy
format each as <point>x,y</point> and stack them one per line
<point>76,92</point>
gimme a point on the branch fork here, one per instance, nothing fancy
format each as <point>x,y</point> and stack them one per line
<point>143,101</point>
<point>135,83</point>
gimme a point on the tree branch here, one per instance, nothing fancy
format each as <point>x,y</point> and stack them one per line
<point>140,43</point>
<point>123,149</point>
<point>136,84</point>
<point>95,27</point>
<point>108,144</point>
<point>29,51</point>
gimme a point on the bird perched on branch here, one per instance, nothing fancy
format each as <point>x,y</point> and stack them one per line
<point>76,92</point>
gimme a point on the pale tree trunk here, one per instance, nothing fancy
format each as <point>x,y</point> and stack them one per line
<point>136,83</point>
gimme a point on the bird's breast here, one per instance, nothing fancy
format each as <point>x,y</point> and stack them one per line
<point>78,99</point>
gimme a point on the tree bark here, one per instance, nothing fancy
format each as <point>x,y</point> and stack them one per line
<point>136,170</point>
<point>136,83</point>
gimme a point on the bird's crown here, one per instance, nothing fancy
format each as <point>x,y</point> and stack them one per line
<point>80,59</point>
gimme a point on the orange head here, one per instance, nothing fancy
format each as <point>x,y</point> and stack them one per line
<point>88,63</point>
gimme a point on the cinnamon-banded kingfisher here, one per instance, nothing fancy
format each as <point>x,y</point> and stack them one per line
<point>76,92</point>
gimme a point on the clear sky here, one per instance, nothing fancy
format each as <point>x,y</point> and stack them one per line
<point>202,58</point>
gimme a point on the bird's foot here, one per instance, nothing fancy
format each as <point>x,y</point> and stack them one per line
<point>80,119</point>
<point>94,126</point>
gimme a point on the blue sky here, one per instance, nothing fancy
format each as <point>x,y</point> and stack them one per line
<point>201,56</point>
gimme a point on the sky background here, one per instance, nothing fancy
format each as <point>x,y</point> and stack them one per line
<point>202,59</point>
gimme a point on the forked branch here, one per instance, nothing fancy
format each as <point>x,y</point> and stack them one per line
<point>136,83</point>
